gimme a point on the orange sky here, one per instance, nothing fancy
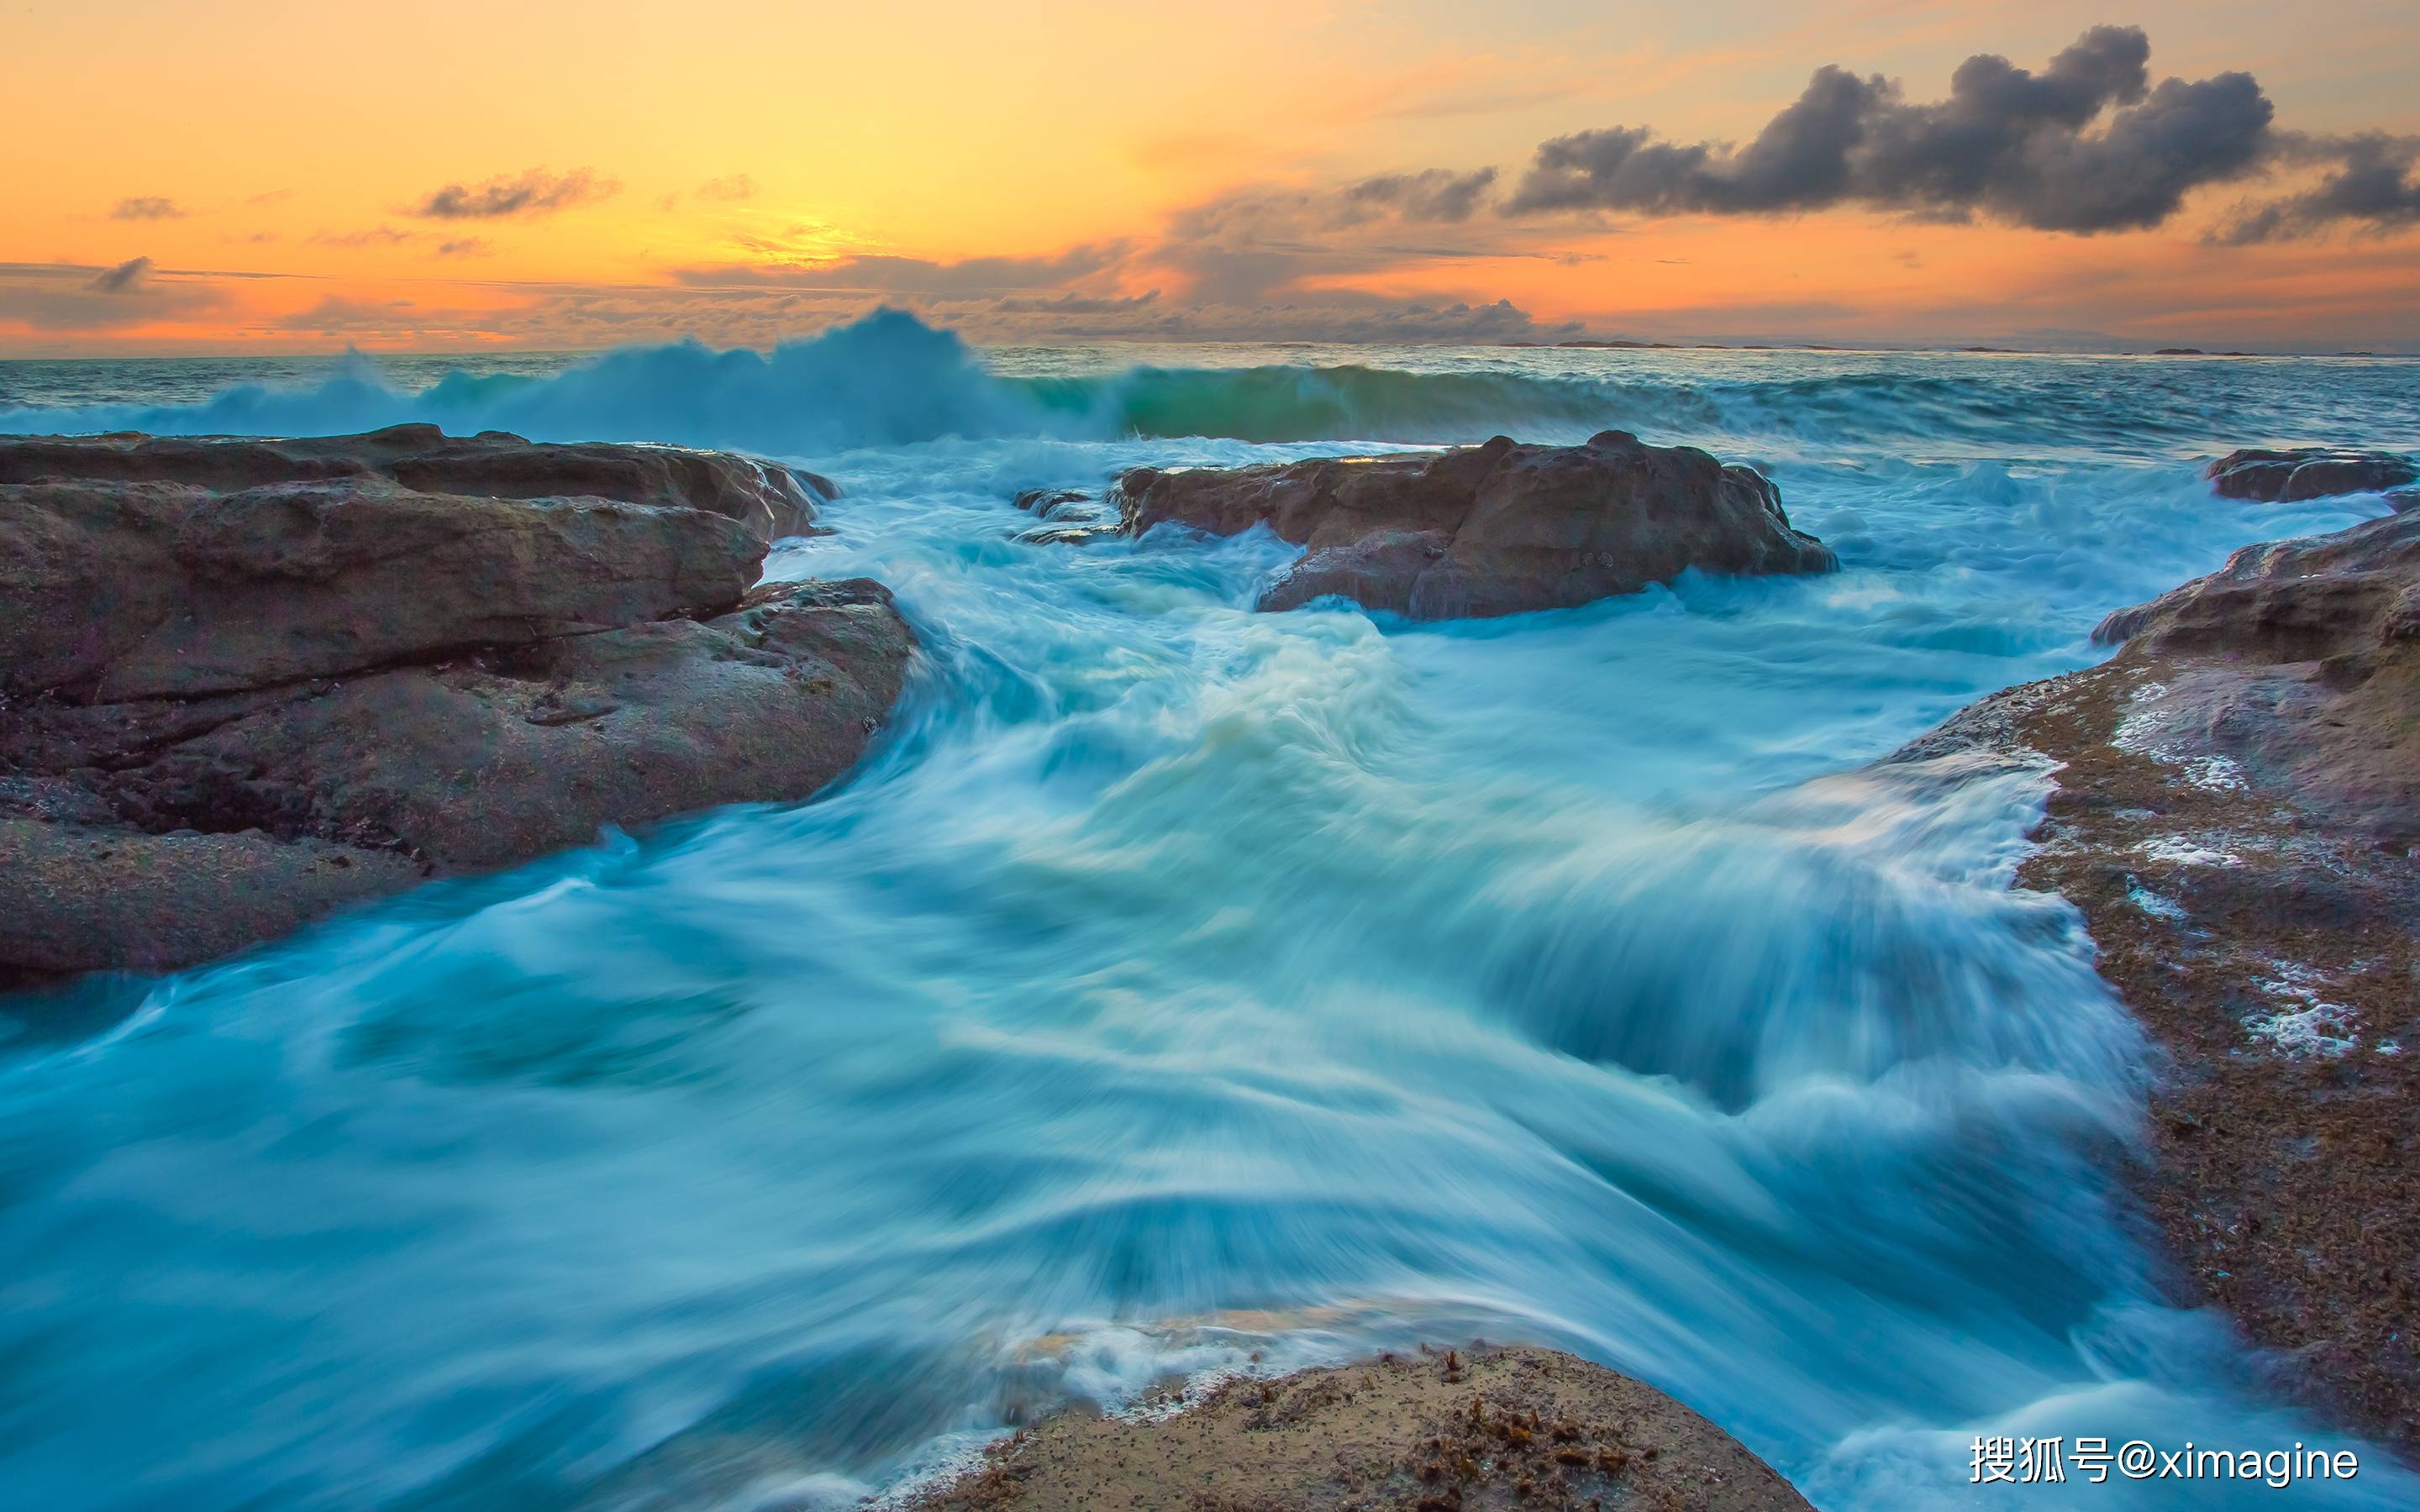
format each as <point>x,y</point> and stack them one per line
<point>263,174</point>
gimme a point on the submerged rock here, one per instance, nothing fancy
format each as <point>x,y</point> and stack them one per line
<point>2237,815</point>
<point>1498,529</point>
<point>2279,477</point>
<point>1480,1427</point>
<point>229,707</point>
<point>1075,517</point>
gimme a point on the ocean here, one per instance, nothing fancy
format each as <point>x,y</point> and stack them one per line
<point>1177,990</point>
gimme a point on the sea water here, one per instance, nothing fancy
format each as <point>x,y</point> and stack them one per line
<point>1175,990</point>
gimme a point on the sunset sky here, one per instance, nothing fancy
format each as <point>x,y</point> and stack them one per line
<point>276,177</point>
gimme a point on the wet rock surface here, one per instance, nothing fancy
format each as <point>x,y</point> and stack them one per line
<point>1492,530</point>
<point>228,707</point>
<point>1073,517</point>
<point>768,500</point>
<point>1436,1431</point>
<point>2237,815</point>
<point>2277,477</point>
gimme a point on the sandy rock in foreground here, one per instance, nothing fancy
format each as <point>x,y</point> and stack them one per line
<point>1428,1432</point>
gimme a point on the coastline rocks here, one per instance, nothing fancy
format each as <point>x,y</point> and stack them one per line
<point>2280,477</point>
<point>2237,815</point>
<point>1469,1428</point>
<point>769,501</point>
<point>146,589</point>
<point>1484,530</point>
<point>223,712</point>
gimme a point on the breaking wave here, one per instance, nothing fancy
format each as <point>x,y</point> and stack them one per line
<point>890,379</point>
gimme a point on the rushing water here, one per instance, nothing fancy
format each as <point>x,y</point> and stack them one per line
<point>1178,989</point>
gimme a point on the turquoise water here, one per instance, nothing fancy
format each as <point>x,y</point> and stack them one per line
<point>1176,988</point>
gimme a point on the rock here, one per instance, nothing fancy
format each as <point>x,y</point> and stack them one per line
<point>228,709</point>
<point>2281,477</point>
<point>2307,661</point>
<point>115,591</point>
<point>1477,1427</point>
<point>1075,517</point>
<point>770,500</point>
<point>1499,529</point>
<point>2237,817</point>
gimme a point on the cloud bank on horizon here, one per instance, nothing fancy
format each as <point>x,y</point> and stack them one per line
<point>2090,150</point>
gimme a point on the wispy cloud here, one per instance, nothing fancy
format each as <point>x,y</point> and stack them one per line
<point>376,235</point>
<point>146,208</point>
<point>535,192</point>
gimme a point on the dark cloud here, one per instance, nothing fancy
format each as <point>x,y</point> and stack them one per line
<point>146,208</point>
<point>2088,144</point>
<point>535,193</point>
<point>1435,195</point>
<point>2373,181</point>
<point>464,247</point>
<point>133,276</point>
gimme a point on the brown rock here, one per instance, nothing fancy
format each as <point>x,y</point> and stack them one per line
<point>1465,1430</point>
<point>767,499</point>
<point>113,591</point>
<point>2237,815</point>
<point>2274,477</point>
<point>1499,529</point>
<point>224,711</point>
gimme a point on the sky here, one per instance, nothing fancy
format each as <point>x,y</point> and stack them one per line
<point>264,176</point>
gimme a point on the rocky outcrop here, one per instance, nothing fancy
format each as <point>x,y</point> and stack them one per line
<point>2237,815</point>
<point>1427,1432</point>
<point>227,709</point>
<point>2277,477</point>
<point>768,500</point>
<point>1499,529</point>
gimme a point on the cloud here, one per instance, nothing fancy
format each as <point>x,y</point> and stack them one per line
<point>130,277</point>
<point>69,297</point>
<point>2375,182</point>
<point>1066,304</point>
<point>1436,194</point>
<point>464,247</point>
<point>335,314</point>
<point>729,187</point>
<point>377,236</point>
<point>147,208</point>
<point>888,274</point>
<point>2089,145</point>
<point>533,193</point>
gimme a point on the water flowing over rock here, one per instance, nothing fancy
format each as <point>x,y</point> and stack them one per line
<point>2283,477</point>
<point>1483,531</point>
<point>2238,816</point>
<point>242,681</point>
